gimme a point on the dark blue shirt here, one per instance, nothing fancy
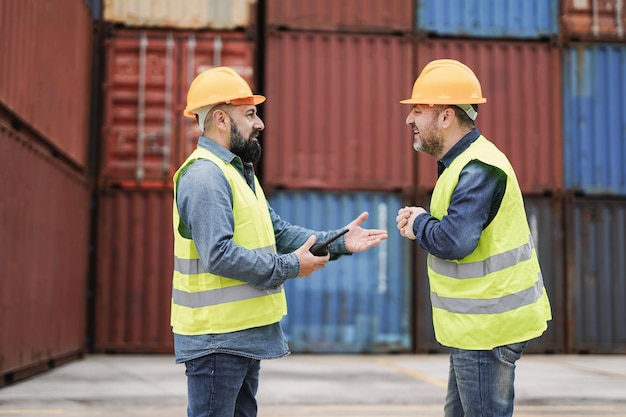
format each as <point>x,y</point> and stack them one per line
<point>474,203</point>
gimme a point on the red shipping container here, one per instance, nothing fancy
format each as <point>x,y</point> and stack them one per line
<point>44,212</point>
<point>46,70</point>
<point>333,118</point>
<point>523,113</point>
<point>592,20</point>
<point>145,135</point>
<point>342,16</point>
<point>135,261</point>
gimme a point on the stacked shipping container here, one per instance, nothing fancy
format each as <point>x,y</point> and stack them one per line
<point>594,136</point>
<point>44,204</point>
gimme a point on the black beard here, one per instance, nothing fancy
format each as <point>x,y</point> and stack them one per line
<point>249,150</point>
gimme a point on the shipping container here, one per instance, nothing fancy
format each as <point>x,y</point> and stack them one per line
<point>45,69</point>
<point>332,116</point>
<point>528,19</point>
<point>369,16</point>
<point>523,112</point>
<point>596,274</point>
<point>358,303</point>
<point>45,216</point>
<point>188,14</point>
<point>594,117</point>
<point>134,264</point>
<point>96,8</point>
<point>545,218</point>
<point>145,135</point>
<point>592,20</point>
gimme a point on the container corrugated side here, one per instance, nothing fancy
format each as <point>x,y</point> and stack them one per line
<point>187,14</point>
<point>592,20</point>
<point>373,16</point>
<point>545,218</point>
<point>45,216</point>
<point>523,112</point>
<point>596,284</point>
<point>332,117</point>
<point>46,70</point>
<point>358,303</point>
<point>135,261</point>
<point>145,135</point>
<point>498,19</point>
<point>594,117</point>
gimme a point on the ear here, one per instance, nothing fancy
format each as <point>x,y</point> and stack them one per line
<point>447,117</point>
<point>220,119</point>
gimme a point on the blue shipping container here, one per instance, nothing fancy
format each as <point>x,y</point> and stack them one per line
<point>358,303</point>
<point>529,19</point>
<point>594,117</point>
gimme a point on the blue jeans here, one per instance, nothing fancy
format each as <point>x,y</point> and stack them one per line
<point>222,385</point>
<point>480,383</point>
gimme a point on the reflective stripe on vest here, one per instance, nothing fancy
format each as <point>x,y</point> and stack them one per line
<point>219,295</point>
<point>490,305</point>
<point>478,269</point>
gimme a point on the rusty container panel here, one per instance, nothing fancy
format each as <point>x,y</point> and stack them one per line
<point>134,271</point>
<point>332,115</point>
<point>545,218</point>
<point>523,113</point>
<point>46,79</point>
<point>188,14</point>
<point>341,16</point>
<point>596,284</point>
<point>145,135</point>
<point>44,217</point>
<point>594,109</point>
<point>592,20</point>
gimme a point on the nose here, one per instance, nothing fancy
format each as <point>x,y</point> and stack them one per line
<point>258,123</point>
<point>410,119</point>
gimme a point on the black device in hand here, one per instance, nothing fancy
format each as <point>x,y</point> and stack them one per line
<point>321,248</point>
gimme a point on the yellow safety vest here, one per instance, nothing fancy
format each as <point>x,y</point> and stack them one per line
<point>494,296</point>
<point>205,303</point>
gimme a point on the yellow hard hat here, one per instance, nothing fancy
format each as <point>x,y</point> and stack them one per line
<point>446,81</point>
<point>219,85</point>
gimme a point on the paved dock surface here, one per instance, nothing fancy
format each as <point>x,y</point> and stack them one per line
<point>317,386</point>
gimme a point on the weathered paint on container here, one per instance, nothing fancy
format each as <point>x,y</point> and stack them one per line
<point>358,303</point>
<point>145,135</point>
<point>188,14</point>
<point>134,271</point>
<point>594,117</point>
<point>545,218</point>
<point>373,16</point>
<point>523,113</point>
<point>593,20</point>
<point>332,117</point>
<point>528,19</point>
<point>45,79</point>
<point>596,284</point>
<point>44,218</point>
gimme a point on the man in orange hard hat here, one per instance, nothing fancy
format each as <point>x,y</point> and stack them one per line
<point>232,252</point>
<point>486,289</point>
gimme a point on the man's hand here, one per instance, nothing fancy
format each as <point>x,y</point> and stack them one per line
<point>359,239</point>
<point>310,263</point>
<point>406,217</point>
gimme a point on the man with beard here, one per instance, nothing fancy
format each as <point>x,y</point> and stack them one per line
<point>486,289</point>
<point>232,252</point>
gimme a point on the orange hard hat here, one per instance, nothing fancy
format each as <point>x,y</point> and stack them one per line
<point>446,81</point>
<point>219,85</point>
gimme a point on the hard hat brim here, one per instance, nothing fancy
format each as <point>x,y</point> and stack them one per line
<point>252,100</point>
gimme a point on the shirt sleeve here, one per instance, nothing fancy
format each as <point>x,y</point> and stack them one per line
<point>205,201</point>
<point>473,205</point>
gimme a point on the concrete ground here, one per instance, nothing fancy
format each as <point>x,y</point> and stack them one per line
<point>317,386</point>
